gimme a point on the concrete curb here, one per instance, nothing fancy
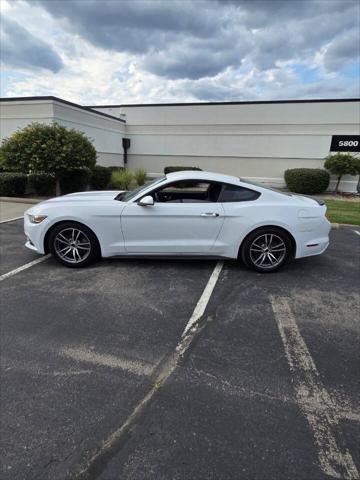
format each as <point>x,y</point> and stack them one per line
<point>338,225</point>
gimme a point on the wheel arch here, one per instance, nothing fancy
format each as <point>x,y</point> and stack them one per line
<point>277,227</point>
<point>52,227</point>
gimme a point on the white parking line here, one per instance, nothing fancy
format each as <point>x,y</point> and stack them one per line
<point>23,267</point>
<point>167,369</point>
<point>11,219</point>
<point>204,299</point>
<point>313,399</point>
<point>111,361</point>
<point>356,231</point>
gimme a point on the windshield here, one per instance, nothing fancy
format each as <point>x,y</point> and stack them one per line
<point>126,196</point>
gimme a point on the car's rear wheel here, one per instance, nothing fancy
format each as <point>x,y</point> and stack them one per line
<point>266,249</point>
<point>73,245</point>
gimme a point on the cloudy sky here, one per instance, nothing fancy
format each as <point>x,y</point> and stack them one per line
<point>144,51</point>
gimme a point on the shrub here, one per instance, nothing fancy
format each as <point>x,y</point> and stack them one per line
<point>12,184</point>
<point>2,160</point>
<point>75,180</point>
<point>42,183</point>
<point>342,164</point>
<point>115,168</point>
<point>121,179</point>
<point>307,180</point>
<point>179,169</point>
<point>100,177</point>
<point>42,148</point>
<point>140,176</point>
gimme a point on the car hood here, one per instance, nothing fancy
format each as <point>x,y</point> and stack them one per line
<point>96,196</point>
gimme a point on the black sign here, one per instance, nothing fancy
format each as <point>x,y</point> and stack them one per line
<point>345,143</point>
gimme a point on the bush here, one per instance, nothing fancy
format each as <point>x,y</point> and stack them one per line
<point>75,180</point>
<point>41,183</point>
<point>115,168</point>
<point>342,164</point>
<point>42,148</point>
<point>121,179</point>
<point>12,184</point>
<point>179,169</point>
<point>100,177</point>
<point>307,180</point>
<point>2,161</point>
<point>140,176</point>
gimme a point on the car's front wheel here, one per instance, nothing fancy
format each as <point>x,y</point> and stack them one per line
<point>266,249</point>
<point>73,245</point>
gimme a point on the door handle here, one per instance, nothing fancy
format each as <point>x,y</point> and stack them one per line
<point>209,214</point>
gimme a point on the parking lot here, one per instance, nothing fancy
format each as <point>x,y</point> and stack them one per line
<point>100,381</point>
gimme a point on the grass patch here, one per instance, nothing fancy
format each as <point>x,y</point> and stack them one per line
<point>342,211</point>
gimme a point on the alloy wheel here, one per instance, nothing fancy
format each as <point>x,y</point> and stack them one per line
<point>72,245</point>
<point>267,251</point>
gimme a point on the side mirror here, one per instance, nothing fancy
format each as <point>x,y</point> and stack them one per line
<point>146,201</point>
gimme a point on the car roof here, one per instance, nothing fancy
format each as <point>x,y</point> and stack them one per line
<point>201,175</point>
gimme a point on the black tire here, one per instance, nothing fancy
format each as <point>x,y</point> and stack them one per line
<point>86,245</point>
<point>266,249</point>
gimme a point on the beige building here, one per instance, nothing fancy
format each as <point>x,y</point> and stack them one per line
<point>105,131</point>
<point>254,140</point>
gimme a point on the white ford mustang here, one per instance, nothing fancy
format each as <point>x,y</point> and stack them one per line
<point>189,213</point>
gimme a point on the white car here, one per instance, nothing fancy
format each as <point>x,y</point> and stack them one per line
<point>188,213</point>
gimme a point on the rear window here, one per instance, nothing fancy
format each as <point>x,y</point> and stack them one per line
<point>233,193</point>
<point>277,190</point>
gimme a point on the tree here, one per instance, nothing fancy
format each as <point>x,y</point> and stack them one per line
<point>342,164</point>
<point>52,149</point>
<point>357,160</point>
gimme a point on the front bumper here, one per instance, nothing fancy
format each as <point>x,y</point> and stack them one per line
<point>31,246</point>
<point>35,233</point>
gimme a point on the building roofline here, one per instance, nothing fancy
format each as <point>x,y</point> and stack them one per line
<point>60,100</point>
<point>256,102</point>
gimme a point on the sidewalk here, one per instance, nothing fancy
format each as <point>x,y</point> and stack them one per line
<point>12,207</point>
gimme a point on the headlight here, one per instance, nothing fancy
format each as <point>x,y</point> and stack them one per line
<point>37,218</point>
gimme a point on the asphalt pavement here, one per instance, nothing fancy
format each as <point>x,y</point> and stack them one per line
<point>266,388</point>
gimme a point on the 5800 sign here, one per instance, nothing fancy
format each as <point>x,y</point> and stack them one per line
<point>345,143</point>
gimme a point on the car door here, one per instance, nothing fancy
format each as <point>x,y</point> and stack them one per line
<point>183,220</point>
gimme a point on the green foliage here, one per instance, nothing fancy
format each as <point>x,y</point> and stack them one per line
<point>50,149</point>
<point>140,175</point>
<point>179,169</point>
<point>307,180</point>
<point>2,159</point>
<point>121,179</point>
<point>12,184</point>
<point>114,168</point>
<point>75,180</point>
<point>342,164</point>
<point>42,184</point>
<point>100,177</point>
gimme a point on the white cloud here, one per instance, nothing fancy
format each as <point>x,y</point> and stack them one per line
<point>226,51</point>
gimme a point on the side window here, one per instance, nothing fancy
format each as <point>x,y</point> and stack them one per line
<point>233,193</point>
<point>189,191</point>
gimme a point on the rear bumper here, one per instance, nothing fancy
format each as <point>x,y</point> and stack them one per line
<point>313,242</point>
